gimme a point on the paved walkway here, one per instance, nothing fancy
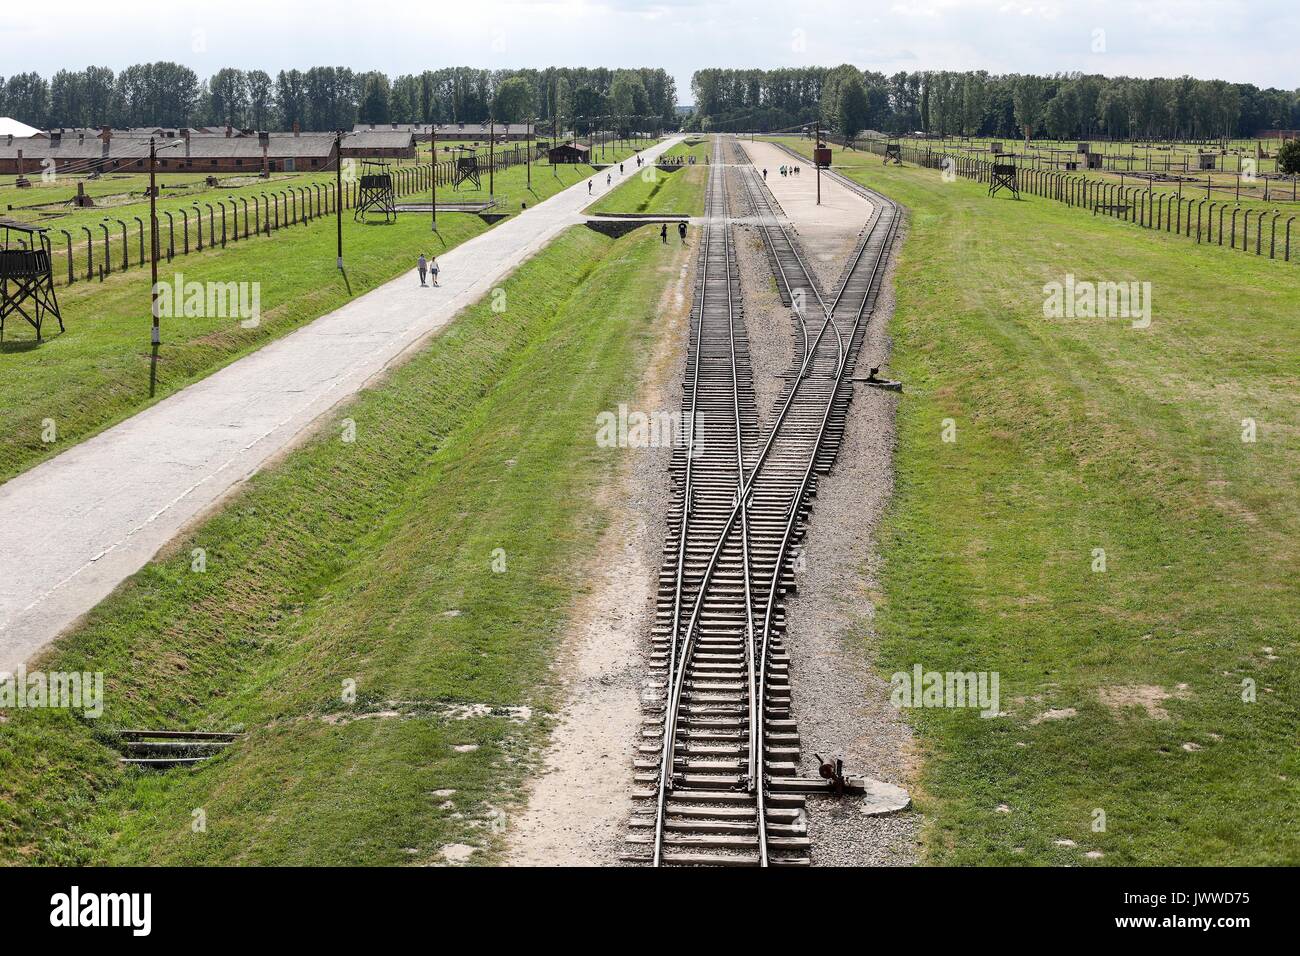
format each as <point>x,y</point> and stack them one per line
<point>74,527</point>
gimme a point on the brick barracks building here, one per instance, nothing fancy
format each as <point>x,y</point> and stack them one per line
<point>201,150</point>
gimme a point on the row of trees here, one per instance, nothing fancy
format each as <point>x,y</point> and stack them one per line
<point>327,97</point>
<point>976,103</point>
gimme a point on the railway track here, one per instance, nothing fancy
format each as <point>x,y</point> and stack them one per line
<point>717,776</point>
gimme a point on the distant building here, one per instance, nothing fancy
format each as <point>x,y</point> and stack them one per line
<point>568,153</point>
<point>189,151</point>
<point>473,132</point>
<point>375,143</point>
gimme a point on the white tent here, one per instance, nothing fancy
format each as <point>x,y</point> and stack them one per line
<point>11,127</point>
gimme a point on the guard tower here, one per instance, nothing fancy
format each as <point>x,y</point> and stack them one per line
<point>376,192</point>
<point>26,275</point>
<point>1003,176</point>
<point>894,154</point>
<point>467,169</point>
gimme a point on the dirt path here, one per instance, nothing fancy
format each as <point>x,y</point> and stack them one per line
<point>578,807</point>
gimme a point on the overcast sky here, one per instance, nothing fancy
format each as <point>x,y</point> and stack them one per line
<point>1239,41</point>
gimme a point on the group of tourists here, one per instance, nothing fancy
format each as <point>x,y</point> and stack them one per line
<point>787,171</point>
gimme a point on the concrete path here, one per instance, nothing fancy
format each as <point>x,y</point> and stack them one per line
<point>74,527</point>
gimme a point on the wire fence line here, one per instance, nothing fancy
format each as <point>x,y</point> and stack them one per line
<point>87,252</point>
<point>1248,229</point>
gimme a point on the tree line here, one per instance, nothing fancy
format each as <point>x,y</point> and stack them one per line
<point>977,103</point>
<point>328,97</point>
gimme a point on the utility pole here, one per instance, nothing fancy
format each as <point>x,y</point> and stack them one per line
<point>492,142</point>
<point>528,152</point>
<point>433,159</point>
<point>817,143</point>
<point>155,337</point>
<point>338,192</point>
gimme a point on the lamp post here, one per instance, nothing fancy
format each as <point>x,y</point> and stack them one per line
<point>817,143</point>
<point>338,193</point>
<point>492,154</point>
<point>433,159</point>
<point>155,334</point>
<point>528,152</point>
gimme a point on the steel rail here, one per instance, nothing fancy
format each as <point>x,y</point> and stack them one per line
<point>676,670</point>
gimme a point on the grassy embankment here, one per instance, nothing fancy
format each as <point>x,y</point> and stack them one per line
<point>701,147</point>
<point>1082,434</point>
<point>652,191</point>
<point>370,562</point>
<point>98,371</point>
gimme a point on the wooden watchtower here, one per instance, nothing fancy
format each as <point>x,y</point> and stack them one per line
<point>1003,176</point>
<point>376,193</point>
<point>467,169</point>
<point>27,275</point>
<point>894,154</point>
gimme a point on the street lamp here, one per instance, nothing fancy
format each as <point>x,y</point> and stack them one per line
<point>338,191</point>
<point>155,335</point>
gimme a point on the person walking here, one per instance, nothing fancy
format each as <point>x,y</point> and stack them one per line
<point>433,269</point>
<point>422,264</point>
<point>764,174</point>
<point>663,233</point>
<point>609,178</point>
<point>588,187</point>
<point>620,169</point>
<point>681,230</point>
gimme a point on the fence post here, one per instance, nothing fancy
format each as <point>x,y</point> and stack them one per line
<point>90,253</point>
<point>108,249</point>
<point>69,237</point>
<point>171,235</point>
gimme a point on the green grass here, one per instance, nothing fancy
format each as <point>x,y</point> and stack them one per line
<point>656,192</point>
<point>1081,434</point>
<point>369,562</point>
<point>122,196</point>
<point>699,147</point>
<point>98,371</point>
<point>511,185</point>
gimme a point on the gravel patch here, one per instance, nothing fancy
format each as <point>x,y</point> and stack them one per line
<point>841,704</point>
<point>579,805</point>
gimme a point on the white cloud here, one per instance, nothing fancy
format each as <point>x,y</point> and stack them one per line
<point>1230,39</point>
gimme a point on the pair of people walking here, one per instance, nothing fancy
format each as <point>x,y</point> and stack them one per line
<point>427,266</point>
<point>681,232</point>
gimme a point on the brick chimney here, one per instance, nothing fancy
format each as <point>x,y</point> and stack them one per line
<point>228,132</point>
<point>105,134</point>
<point>185,135</point>
<point>296,128</point>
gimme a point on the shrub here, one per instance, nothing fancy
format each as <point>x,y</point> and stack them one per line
<point>1288,157</point>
